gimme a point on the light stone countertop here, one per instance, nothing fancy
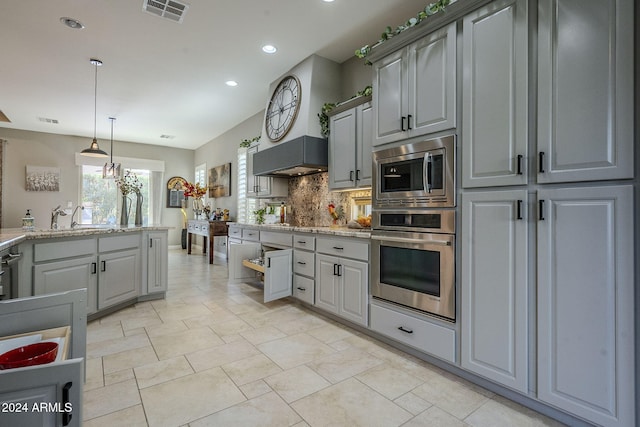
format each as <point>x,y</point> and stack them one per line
<point>363,233</point>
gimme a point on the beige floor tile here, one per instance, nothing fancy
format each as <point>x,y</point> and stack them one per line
<point>183,400</point>
<point>130,417</point>
<point>164,370</point>
<point>231,327</point>
<point>172,345</point>
<point>189,311</point>
<point>302,324</point>
<point>97,331</point>
<point>268,410</point>
<point>412,403</point>
<point>116,345</point>
<point>221,355</point>
<point>111,398</point>
<point>435,416</point>
<point>451,396</point>
<point>350,403</point>
<point>118,377</point>
<point>340,366</point>
<point>251,369</point>
<point>329,333</point>
<point>296,383</point>
<point>261,335</point>
<point>255,389</point>
<point>295,350</point>
<point>500,412</point>
<point>167,328</point>
<point>94,374</point>
<point>389,381</point>
<point>129,359</point>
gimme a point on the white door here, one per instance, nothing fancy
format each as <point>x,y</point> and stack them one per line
<point>585,90</point>
<point>327,283</point>
<point>585,302</point>
<point>354,287</point>
<point>278,274</point>
<point>390,97</point>
<point>364,144</point>
<point>118,277</point>
<point>494,325</point>
<point>342,150</point>
<point>495,84</point>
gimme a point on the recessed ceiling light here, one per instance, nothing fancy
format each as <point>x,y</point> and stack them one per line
<point>72,23</point>
<point>327,1</point>
<point>232,83</point>
<point>267,48</point>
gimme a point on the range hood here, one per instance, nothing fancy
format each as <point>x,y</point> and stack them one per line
<point>299,156</point>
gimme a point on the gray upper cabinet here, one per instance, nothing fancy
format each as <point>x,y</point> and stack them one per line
<point>494,95</point>
<point>414,88</point>
<point>350,147</point>
<point>263,186</point>
<point>585,90</point>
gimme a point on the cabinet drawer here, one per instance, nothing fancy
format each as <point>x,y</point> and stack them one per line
<point>303,241</point>
<point>343,248</point>
<point>275,238</point>
<point>250,234</point>
<point>59,250</point>
<point>418,333</point>
<point>303,288</point>
<point>116,243</point>
<point>235,232</point>
<point>304,263</point>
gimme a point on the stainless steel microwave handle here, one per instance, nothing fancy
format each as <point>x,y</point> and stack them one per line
<point>427,172</point>
<point>407,240</point>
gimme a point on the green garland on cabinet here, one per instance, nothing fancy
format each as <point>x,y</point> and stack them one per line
<point>327,107</point>
<point>246,143</point>
<point>388,33</point>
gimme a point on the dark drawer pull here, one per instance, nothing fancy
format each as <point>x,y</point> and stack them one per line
<point>301,289</point>
<point>104,266</point>
<point>66,416</point>
<point>302,242</point>
<point>338,248</point>
<point>302,263</point>
<point>406,331</point>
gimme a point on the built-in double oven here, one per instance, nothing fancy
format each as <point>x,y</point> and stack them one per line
<point>413,226</point>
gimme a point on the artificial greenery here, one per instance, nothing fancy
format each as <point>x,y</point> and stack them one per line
<point>260,213</point>
<point>246,143</point>
<point>388,33</point>
<point>327,107</point>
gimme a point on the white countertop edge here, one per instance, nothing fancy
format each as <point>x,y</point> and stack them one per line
<point>13,236</point>
<point>364,233</point>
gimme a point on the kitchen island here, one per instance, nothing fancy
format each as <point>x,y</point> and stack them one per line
<point>118,266</point>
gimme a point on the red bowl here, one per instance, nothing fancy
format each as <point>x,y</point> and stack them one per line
<point>28,355</point>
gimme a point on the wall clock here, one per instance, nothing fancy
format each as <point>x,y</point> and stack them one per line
<point>283,108</point>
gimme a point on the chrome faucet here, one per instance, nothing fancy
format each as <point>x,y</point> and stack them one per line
<point>54,217</point>
<point>73,222</point>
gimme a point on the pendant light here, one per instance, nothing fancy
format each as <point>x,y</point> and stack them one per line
<point>111,170</point>
<point>94,150</point>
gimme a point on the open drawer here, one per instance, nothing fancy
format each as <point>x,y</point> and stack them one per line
<point>51,394</point>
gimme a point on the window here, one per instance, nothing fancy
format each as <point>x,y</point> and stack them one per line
<point>245,206</point>
<point>101,199</point>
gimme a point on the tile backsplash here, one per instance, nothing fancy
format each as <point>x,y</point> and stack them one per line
<point>309,198</point>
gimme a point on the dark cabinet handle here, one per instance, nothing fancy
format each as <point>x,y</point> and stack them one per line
<point>519,164</point>
<point>66,416</point>
<point>402,124</point>
<point>350,175</point>
<point>103,266</point>
<point>519,209</point>
<point>541,209</point>
<point>541,162</point>
<point>338,248</point>
<point>94,268</point>
<point>150,243</point>
<point>409,122</point>
<point>335,269</point>
<point>339,270</point>
<point>406,331</point>
<point>357,174</point>
<point>302,242</point>
<point>302,263</point>
<point>268,262</point>
<point>301,289</point>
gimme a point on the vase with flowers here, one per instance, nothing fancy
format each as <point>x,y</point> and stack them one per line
<point>197,191</point>
<point>129,184</point>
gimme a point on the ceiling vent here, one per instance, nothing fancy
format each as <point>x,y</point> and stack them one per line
<point>4,118</point>
<point>170,9</point>
<point>47,120</point>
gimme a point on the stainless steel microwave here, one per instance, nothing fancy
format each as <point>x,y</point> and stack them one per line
<point>416,174</point>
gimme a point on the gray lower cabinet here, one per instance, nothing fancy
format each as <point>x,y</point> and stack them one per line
<point>45,395</point>
<point>342,284</point>
<point>118,277</point>
<point>156,247</point>
<point>304,268</point>
<point>494,326</point>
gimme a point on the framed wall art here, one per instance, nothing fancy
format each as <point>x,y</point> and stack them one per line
<point>220,181</point>
<point>175,191</point>
<point>43,178</point>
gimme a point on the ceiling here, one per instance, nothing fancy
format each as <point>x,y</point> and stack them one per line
<point>161,77</point>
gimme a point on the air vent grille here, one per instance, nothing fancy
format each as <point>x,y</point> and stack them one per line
<point>47,120</point>
<point>169,9</point>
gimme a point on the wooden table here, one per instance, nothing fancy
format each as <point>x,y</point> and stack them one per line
<point>208,230</point>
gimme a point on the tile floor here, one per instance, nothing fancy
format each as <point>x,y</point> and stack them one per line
<point>212,354</point>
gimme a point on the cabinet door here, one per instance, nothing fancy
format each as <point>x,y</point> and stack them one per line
<point>354,287</point>
<point>495,84</point>
<point>58,385</point>
<point>342,150</point>
<point>327,283</point>
<point>364,144</point>
<point>494,286</point>
<point>118,277</point>
<point>238,273</point>
<point>585,303</point>
<point>390,88</point>
<point>278,274</point>
<point>432,83</point>
<point>60,276</point>
<point>585,90</point>
<point>157,262</point>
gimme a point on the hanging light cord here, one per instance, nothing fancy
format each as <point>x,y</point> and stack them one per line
<point>95,101</point>
<point>112,119</point>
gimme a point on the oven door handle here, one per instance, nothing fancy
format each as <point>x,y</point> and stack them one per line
<point>407,240</point>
